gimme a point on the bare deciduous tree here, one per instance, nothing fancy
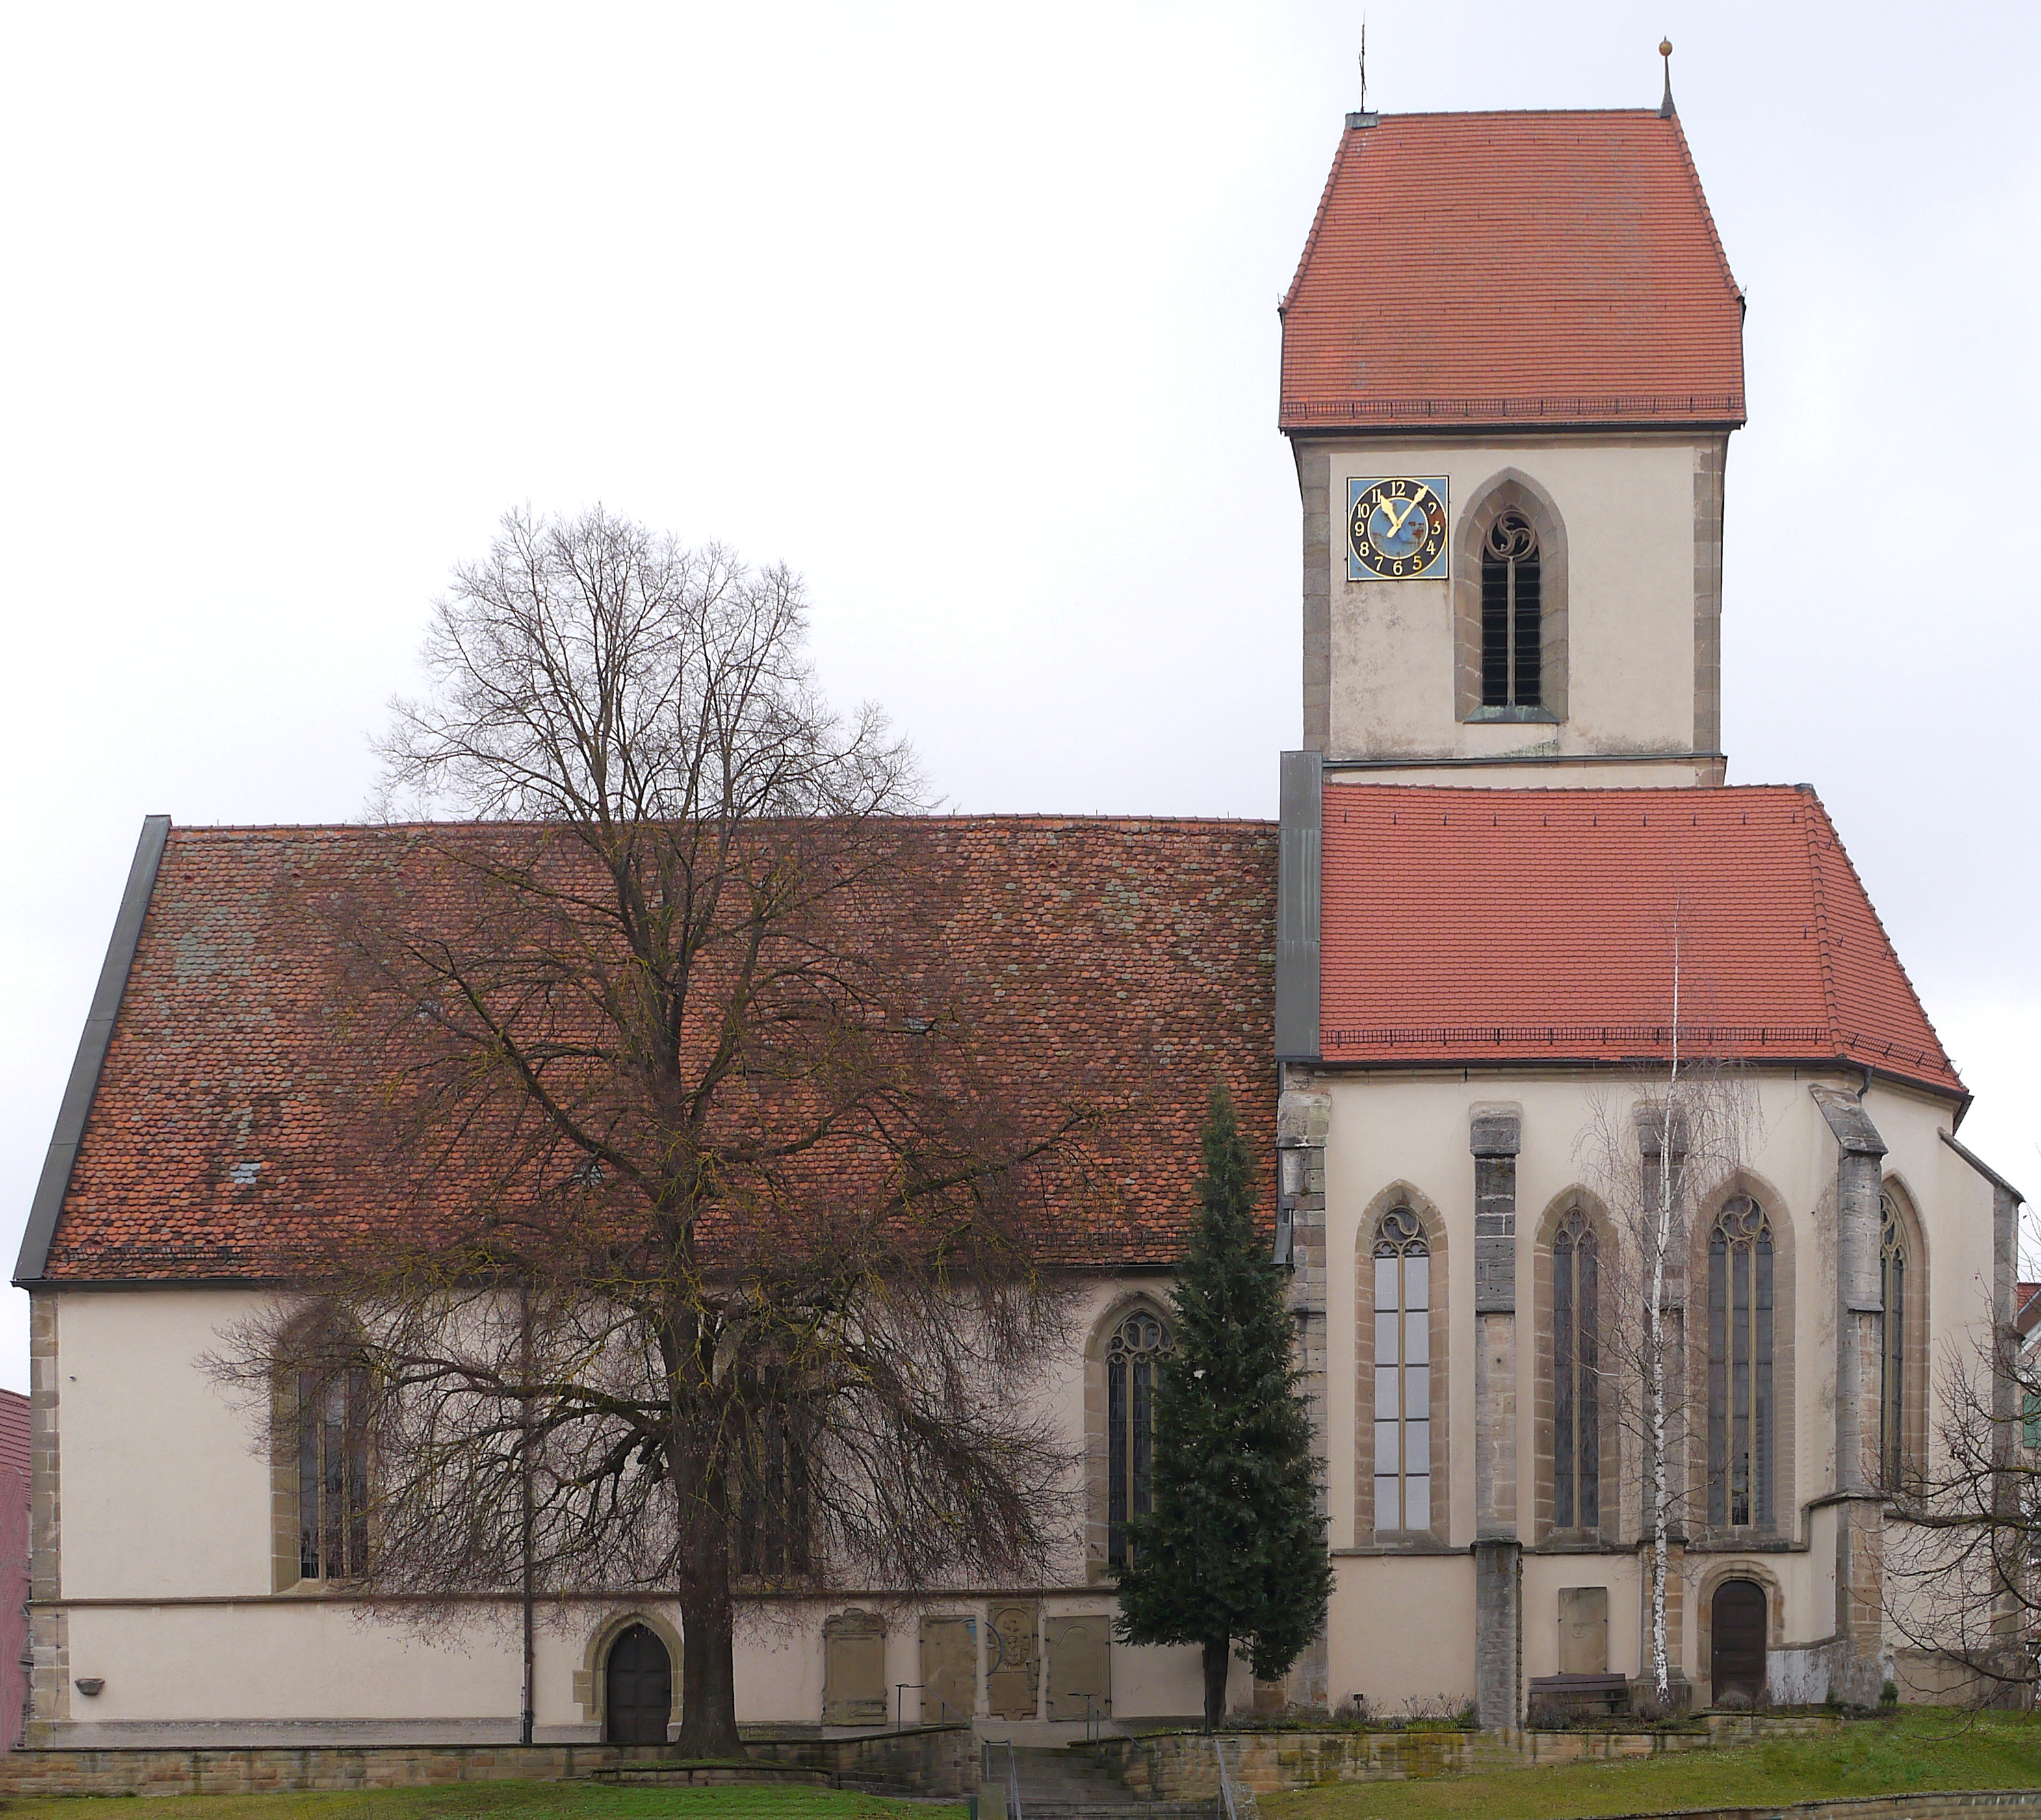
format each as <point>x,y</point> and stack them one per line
<point>1653,1150</point>
<point>1962,1545</point>
<point>703,1251</point>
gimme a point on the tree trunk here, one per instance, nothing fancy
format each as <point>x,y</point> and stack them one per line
<point>708,1680</point>
<point>708,1674</point>
<point>1218,1660</point>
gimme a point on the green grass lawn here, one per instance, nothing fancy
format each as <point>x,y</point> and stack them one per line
<point>518,1801</point>
<point>1924,1749</point>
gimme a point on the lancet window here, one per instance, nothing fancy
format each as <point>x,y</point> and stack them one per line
<point>1576,1393</point>
<point>331,1404</point>
<point>1133,1365</point>
<point>1740,1375</point>
<point>1402,1373</point>
<point>1512,615</point>
<point>1892,1386</point>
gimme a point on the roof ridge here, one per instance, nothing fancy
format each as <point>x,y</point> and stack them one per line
<point>1042,817</point>
<point>1878,923</point>
<point>1707,214</point>
<point>1317,221</point>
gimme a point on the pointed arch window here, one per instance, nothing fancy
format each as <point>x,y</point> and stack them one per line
<point>1402,1373</point>
<point>1741,1259</point>
<point>1576,1393</point>
<point>331,1402</point>
<point>1511,614</point>
<point>1133,1362</point>
<point>1892,1362</point>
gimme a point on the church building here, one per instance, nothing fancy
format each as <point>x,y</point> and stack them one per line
<point>1516,972</point>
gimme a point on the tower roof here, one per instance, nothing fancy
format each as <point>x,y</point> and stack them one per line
<point>1502,268</point>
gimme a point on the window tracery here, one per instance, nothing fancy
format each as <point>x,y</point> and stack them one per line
<point>1402,1373</point>
<point>1576,1397</point>
<point>1741,1259</point>
<point>1511,614</point>
<point>1133,1364</point>
<point>1892,1362</point>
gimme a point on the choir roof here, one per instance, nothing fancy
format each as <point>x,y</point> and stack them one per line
<point>1545,267</point>
<point>1526,925</point>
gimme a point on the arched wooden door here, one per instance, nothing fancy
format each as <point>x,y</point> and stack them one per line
<point>638,1688</point>
<point>1736,1641</point>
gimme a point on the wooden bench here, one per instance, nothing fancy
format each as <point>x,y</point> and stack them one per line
<point>1580,1693</point>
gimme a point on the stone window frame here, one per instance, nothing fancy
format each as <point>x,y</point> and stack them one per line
<point>1743,1184</point>
<point>591,1683</point>
<point>1512,489</point>
<point>1433,1225</point>
<point>1611,1451</point>
<point>1734,1567</point>
<point>1098,1568</point>
<point>1914,1385</point>
<point>285,1560</point>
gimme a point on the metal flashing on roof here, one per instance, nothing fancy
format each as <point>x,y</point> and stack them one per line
<point>1983,1168</point>
<point>92,1047</point>
<point>1299,867</point>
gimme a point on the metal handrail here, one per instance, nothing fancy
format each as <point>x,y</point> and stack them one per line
<point>900,1690</point>
<point>1013,1783</point>
<point>1225,1781</point>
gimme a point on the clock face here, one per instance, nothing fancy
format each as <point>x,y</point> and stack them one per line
<point>1396,529</point>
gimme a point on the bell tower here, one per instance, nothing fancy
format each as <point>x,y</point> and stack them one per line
<point>1511,361</point>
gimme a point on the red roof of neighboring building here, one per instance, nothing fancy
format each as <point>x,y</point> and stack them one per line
<point>1549,267</point>
<point>1514,925</point>
<point>1122,965</point>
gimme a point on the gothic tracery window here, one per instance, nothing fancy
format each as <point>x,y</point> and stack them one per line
<point>1402,1373</point>
<point>1740,1403</point>
<point>1133,1361</point>
<point>1512,615</point>
<point>1892,1386</point>
<point>1576,1399</point>
<point>331,1402</point>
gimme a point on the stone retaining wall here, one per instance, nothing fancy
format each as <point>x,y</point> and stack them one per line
<point>932,1760</point>
<point>1181,1766</point>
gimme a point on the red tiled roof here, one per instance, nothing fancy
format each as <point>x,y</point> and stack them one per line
<point>1532,925</point>
<point>1126,962</point>
<point>1550,267</point>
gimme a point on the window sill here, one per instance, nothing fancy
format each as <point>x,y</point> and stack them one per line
<point>1523,716</point>
<point>1403,1541</point>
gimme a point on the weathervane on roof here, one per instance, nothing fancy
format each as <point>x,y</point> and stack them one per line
<point>1363,118</point>
<point>1665,109</point>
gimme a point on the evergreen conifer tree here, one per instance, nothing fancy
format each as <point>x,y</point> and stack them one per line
<point>1233,1552</point>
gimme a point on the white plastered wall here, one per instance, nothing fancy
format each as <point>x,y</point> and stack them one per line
<point>165,1566</point>
<point>1628,507</point>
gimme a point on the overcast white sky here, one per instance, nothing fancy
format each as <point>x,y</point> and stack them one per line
<point>968,313</point>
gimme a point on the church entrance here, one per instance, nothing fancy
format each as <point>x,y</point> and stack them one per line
<point>638,1682</point>
<point>1736,1641</point>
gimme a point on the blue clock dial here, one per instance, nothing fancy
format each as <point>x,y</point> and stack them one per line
<point>1396,530</point>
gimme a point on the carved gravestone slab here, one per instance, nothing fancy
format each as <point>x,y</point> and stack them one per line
<point>1583,1630</point>
<point>854,1670</point>
<point>949,1670</point>
<point>1013,1658</point>
<point>1080,1667</point>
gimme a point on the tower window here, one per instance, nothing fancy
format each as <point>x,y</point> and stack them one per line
<point>1512,615</point>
